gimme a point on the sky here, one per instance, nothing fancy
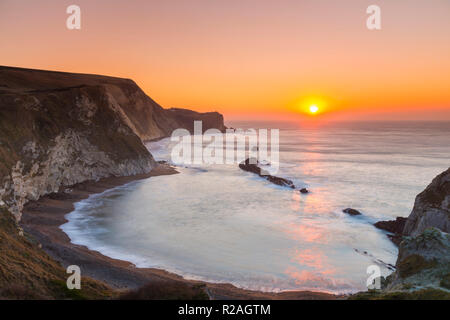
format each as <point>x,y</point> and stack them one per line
<point>249,59</point>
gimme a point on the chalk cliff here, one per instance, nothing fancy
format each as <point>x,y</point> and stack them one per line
<point>58,129</point>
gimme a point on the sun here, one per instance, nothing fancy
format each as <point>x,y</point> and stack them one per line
<point>313,108</point>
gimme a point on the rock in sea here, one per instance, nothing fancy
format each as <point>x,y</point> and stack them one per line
<point>394,226</point>
<point>351,212</point>
<point>251,165</point>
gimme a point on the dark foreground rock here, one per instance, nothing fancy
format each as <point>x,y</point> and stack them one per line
<point>280,181</point>
<point>431,209</point>
<point>423,261</point>
<point>422,270</point>
<point>251,165</point>
<point>304,190</point>
<point>393,226</point>
<point>352,212</point>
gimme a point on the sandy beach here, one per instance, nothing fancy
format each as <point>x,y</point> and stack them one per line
<point>42,220</point>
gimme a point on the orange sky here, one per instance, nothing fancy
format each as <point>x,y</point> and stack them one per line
<point>249,58</point>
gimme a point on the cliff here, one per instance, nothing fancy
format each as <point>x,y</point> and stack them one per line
<point>431,207</point>
<point>423,262</point>
<point>58,129</point>
<point>185,119</point>
<point>424,254</point>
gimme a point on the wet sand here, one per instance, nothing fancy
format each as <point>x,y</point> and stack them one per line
<point>41,219</point>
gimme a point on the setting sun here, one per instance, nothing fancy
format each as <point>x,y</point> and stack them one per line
<point>217,132</point>
<point>312,105</point>
<point>313,109</point>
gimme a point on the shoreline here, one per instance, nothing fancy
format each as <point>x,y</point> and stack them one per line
<point>42,220</point>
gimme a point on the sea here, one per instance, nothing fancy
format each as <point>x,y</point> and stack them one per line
<point>218,223</point>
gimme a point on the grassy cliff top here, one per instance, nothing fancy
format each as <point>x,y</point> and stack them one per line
<point>13,79</point>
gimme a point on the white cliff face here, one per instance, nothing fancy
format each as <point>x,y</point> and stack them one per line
<point>59,138</point>
<point>72,159</point>
<point>58,129</point>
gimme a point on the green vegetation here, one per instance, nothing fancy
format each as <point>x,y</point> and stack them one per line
<point>445,282</point>
<point>27,272</point>
<point>414,264</point>
<point>423,294</point>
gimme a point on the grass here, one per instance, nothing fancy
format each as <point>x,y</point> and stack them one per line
<point>445,282</point>
<point>167,290</point>
<point>27,272</point>
<point>423,294</point>
<point>414,264</point>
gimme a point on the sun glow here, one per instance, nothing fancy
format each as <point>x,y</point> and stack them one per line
<point>313,108</point>
<point>312,105</point>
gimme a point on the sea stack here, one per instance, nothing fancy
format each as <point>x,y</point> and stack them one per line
<point>251,165</point>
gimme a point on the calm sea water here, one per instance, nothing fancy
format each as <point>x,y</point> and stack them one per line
<point>218,223</point>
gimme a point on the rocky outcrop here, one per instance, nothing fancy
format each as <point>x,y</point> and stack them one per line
<point>185,119</point>
<point>422,270</point>
<point>431,207</point>
<point>423,262</point>
<point>352,212</point>
<point>58,129</point>
<point>150,121</point>
<point>251,165</point>
<point>393,226</point>
<point>424,251</point>
<point>72,159</point>
<point>59,137</point>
